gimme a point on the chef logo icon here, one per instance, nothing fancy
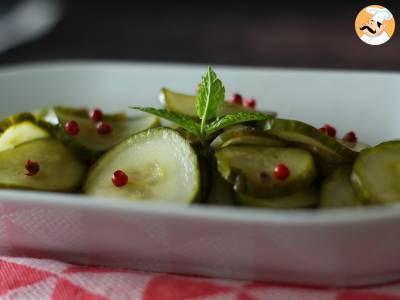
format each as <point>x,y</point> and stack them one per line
<point>374,25</point>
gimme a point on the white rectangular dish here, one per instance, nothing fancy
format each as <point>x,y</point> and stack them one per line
<point>335,248</point>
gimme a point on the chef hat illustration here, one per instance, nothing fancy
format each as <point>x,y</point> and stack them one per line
<point>379,14</point>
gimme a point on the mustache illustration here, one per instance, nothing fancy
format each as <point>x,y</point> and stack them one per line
<point>368,28</point>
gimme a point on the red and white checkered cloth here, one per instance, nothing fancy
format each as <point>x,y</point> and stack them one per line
<point>29,278</point>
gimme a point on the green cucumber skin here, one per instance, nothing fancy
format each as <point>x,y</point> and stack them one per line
<point>276,125</point>
<point>15,119</point>
<point>326,161</point>
<point>205,157</point>
<point>336,185</point>
<point>301,200</point>
<point>234,134</point>
<point>22,117</point>
<point>361,188</point>
<point>221,192</point>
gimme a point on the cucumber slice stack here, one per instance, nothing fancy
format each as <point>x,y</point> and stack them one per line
<point>328,152</point>
<point>245,135</point>
<point>337,191</point>
<point>376,173</point>
<point>276,164</point>
<point>303,199</point>
<point>159,163</point>
<point>18,129</point>
<point>60,170</point>
<point>251,168</point>
<point>88,143</point>
<point>186,104</point>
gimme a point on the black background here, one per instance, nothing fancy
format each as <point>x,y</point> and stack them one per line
<point>282,33</point>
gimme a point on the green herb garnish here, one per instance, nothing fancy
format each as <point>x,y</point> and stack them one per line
<point>211,95</point>
<point>209,99</point>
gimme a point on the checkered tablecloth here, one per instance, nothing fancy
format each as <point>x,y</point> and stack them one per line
<point>30,278</point>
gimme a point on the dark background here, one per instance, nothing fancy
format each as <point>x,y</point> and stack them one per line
<point>282,33</point>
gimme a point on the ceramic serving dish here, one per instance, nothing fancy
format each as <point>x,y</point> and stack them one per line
<point>340,247</point>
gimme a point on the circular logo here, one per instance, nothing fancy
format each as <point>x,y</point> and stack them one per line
<point>374,25</point>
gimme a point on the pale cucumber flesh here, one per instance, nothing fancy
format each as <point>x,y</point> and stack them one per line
<point>20,133</point>
<point>160,164</point>
<point>186,104</point>
<point>329,153</point>
<point>88,142</point>
<point>336,190</point>
<point>60,170</point>
<point>376,174</point>
<point>250,169</point>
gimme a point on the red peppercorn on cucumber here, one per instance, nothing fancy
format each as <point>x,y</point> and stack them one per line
<point>57,168</point>
<point>159,163</point>
<point>18,129</point>
<point>250,103</point>
<point>328,129</point>
<point>376,173</point>
<point>337,191</point>
<point>350,137</point>
<point>32,168</point>
<point>93,139</point>
<point>119,178</point>
<point>186,104</point>
<point>96,115</point>
<point>235,99</point>
<point>308,198</point>
<point>251,169</point>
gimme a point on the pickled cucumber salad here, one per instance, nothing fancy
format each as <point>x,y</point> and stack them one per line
<point>210,150</point>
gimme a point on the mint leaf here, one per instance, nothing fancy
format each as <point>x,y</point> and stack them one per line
<point>211,95</point>
<point>235,118</point>
<point>184,121</point>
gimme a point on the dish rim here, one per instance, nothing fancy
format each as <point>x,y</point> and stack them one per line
<point>334,216</point>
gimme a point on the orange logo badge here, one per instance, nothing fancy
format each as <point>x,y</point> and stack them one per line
<point>374,25</point>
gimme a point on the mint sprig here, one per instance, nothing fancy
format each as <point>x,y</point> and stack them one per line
<point>209,99</point>
<point>182,120</point>
<point>236,118</point>
<point>211,95</point>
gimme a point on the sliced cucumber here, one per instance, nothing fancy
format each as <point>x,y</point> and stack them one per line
<point>160,164</point>
<point>245,135</point>
<point>303,199</point>
<point>329,153</point>
<point>250,169</point>
<point>336,190</point>
<point>221,192</point>
<point>60,170</point>
<point>15,119</point>
<point>82,113</point>
<point>193,139</point>
<point>18,129</point>
<point>376,173</point>
<point>89,144</point>
<point>186,104</point>
<point>355,146</point>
